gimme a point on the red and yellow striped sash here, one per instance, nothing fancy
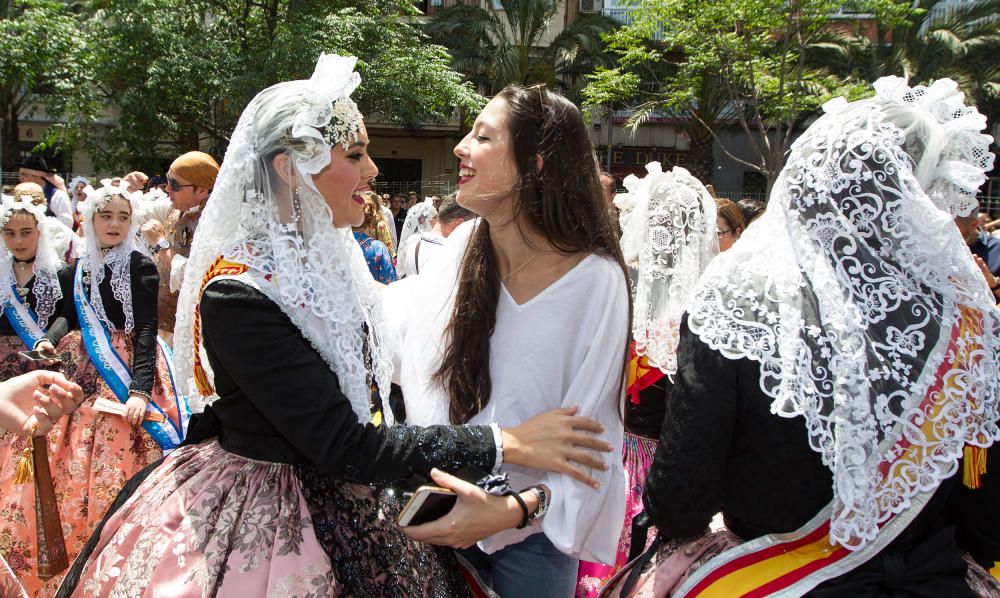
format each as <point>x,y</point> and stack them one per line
<point>640,375</point>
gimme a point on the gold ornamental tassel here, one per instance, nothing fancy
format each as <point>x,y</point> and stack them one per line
<point>973,466</point>
<point>22,475</point>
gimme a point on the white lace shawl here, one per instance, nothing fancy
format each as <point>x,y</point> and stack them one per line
<point>45,287</point>
<point>118,258</point>
<point>316,273</point>
<point>419,219</point>
<point>846,291</point>
<point>668,238</point>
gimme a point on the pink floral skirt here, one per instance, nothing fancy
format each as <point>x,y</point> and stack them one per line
<point>637,455</point>
<point>207,522</point>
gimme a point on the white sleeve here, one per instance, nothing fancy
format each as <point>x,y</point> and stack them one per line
<point>177,266</point>
<point>62,208</point>
<point>397,304</point>
<point>157,209</point>
<point>582,521</point>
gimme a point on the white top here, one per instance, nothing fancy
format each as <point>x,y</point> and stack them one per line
<point>412,260</point>
<point>565,347</point>
<point>62,208</point>
<point>391,222</point>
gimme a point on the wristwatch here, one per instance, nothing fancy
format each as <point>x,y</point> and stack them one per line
<point>160,245</point>
<point>543,503</point>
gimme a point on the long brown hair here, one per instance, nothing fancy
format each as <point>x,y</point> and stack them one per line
<point>564,201</point>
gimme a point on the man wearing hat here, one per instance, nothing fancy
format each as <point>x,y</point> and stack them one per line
<point>35,170</point>
<point>172,224</point>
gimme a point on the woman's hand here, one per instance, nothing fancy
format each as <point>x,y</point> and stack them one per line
<point>476,515</point>
<point>135,409</point>
<point>36,400</point>
<point>554,441</point>
<point>45,346</point>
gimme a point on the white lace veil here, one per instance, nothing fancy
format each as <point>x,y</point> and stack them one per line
<point>668,238</point>
<point>118,258</point>
<point>943,138</point>
<point>314,272</point>
<point>419,218</point>
<point>847,290</point>
<point>47,263</point>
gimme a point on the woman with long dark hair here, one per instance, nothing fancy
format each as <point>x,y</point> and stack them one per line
<point>528,312</point>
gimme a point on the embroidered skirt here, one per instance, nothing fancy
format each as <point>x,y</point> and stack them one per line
<point>207,522</point>
<point>637,455</point>
<point>91,456</point>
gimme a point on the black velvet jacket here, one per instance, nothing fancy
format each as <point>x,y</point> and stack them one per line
<point>280,402</point>
<point>721,449</point>
<point>59,324</point>
<point>145,285</point>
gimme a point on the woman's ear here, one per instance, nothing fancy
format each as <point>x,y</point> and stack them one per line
<point>283,168</point>
<point>539,163</point>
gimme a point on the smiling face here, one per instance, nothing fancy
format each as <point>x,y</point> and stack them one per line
<point>345,179</point>
<point>112,223</point>
<point>20,235</point>
<point>487,170</point>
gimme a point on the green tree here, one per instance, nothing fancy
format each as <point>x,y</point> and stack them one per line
<point>177,73</point>
<point>496,47</point>
<point>921,41</point>
<point>44,59</point>
<point>728,61</point>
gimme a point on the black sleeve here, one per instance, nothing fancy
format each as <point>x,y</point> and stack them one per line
<point>145,284</point>
<point>271,362</point>
<point>65,319</point>
<point>684,486</point>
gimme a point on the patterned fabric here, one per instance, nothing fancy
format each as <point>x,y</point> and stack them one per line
<point>91,457</point>
<point>179,228</point>
<point>371,557</point>
<point>380,232</point>
<point>677,560</point>
<point>236,526</point>
<point>378,258</point>
<point>637,455</point>
<point>9,586</point>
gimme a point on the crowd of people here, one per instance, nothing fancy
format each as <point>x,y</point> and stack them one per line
<point>647,393</point>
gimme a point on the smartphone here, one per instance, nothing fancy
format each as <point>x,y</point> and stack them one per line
<point>427,504</point>
<point>39,356</point>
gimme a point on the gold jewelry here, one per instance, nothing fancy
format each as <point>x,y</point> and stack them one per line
<point>519,268</point>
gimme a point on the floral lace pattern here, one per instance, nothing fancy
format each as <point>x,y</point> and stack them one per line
<point>860,301</point>
<point>316,273</point>
<point>239,527</point>
<point>668,236</point>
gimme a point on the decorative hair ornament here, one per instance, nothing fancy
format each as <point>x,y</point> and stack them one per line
<point>943,136</point>
<point>9,204</point>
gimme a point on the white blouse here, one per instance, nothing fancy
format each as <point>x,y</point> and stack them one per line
<point>565,347</point>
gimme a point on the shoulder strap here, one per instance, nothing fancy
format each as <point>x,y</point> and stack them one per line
<point>416,255</point>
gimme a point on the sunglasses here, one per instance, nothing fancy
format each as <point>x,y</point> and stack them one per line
<point>175,186</point>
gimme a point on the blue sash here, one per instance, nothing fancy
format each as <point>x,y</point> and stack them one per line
<point>116,373</point>
<point>22,319</point>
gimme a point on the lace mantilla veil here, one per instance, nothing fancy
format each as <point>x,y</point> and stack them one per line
<point>418,220</point>
<point>847,291</point>
<point>668,238</point>
<point>314,272</point>
<point>45,287</point>
<point>118,258</point>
